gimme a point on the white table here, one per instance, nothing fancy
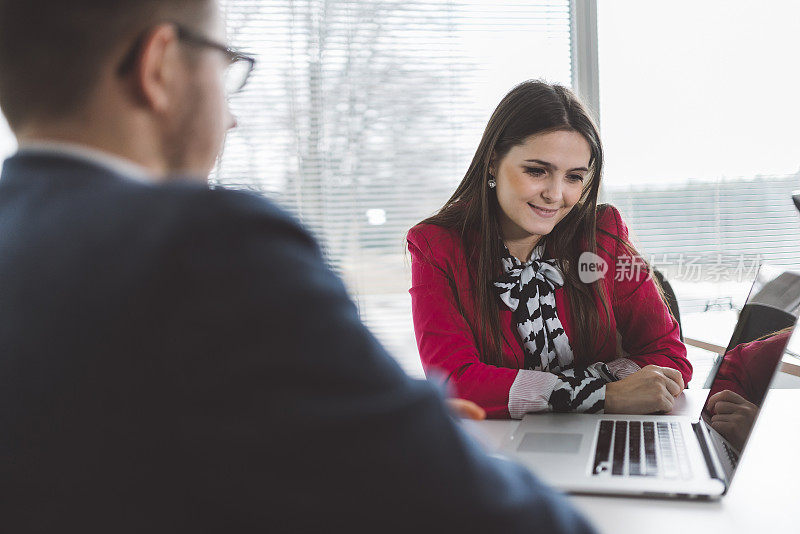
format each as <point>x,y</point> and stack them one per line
<point>764,497</point>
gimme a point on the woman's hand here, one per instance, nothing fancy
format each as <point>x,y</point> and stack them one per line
<point>733,416</point>
<point>648,390</point>
<point>466,409</point>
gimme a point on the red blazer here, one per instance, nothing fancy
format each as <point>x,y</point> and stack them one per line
<point>748,368</point>
<point>447,346</point>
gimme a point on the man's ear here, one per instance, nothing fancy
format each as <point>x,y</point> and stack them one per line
<point>158,68</point>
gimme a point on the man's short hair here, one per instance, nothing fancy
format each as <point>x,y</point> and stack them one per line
<point>52,51</point>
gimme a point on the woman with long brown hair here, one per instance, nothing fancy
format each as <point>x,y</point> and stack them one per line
<point>527,296</point>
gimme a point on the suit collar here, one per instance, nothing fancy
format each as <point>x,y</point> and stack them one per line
<point>24,168</point>
<point>110,162</point>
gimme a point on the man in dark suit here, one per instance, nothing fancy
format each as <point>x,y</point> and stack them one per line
<point>179,359</point>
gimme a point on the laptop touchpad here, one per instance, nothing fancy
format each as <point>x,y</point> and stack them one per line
<point>550,442</point>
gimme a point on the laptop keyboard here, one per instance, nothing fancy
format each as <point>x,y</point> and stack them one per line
<point>636,448</point>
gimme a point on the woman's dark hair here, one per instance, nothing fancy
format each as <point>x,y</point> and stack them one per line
<point>532,107</point>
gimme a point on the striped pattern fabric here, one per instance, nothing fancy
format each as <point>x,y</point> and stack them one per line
<point>528,289</point>
<point>581,390</point>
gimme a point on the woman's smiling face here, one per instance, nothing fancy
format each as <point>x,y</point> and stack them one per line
<point>539,182</point>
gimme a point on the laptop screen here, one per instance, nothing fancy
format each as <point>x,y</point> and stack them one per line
<point>758,343</point>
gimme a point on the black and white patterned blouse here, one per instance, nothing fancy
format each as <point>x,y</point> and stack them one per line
<point>549,379</point>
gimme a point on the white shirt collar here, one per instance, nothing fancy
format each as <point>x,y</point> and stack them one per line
<point>115,164</point>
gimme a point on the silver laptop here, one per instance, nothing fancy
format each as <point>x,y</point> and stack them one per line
<point>665,455</point>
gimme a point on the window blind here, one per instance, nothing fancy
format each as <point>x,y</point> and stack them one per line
<point>726,228</point>
<point>362,117</point>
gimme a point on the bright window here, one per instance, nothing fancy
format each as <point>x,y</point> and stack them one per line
<point>363,116</point>
<point>699,120</point>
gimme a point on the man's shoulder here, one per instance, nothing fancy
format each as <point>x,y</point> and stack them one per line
<point>219,211</point>
<point>221,202</point>
<point>90,196</point>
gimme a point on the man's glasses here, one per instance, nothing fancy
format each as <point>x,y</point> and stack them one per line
<point>240,65</point>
